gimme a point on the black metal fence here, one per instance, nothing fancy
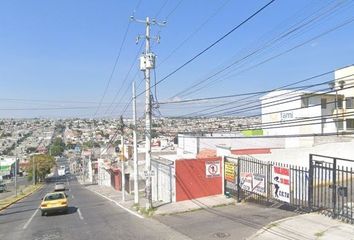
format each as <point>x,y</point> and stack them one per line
<point>326,186</point>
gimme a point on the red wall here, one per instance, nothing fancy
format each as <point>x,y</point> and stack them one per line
<point>116,182</point>
<point>191,180</point>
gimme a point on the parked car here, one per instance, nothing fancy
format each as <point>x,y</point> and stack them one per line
<point>54,202</point>
<point>2,187</point>
<point>59,186</point>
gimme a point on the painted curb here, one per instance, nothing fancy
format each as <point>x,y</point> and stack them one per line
<point>26,195</point>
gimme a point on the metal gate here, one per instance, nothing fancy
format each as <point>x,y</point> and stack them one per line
<point>331,186</point>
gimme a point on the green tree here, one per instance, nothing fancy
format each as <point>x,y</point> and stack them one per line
<point>43,165</point>
<point>57,147</point>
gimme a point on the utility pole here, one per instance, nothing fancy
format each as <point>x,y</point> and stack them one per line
<point>135,156</point>
<point>122,157</point>
<point>33,171</point>
<point>147,62</point>
<point>15,170</point>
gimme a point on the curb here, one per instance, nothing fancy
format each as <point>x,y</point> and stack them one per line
<point>26,195</point>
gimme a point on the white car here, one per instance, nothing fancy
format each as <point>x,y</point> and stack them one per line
<point>59,186</point>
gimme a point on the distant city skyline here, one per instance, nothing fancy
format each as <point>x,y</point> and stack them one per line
<point>56,57</point>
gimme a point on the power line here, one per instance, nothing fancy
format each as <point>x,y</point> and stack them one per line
<point>292,29</point>
<point>116,61</point>
<point>212,45</point>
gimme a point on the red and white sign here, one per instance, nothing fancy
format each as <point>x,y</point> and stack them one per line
<point>212,169</point>
<point>281,183</point>
<point>253,182</point>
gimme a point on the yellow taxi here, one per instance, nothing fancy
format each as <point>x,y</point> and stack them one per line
<point>54,202</point>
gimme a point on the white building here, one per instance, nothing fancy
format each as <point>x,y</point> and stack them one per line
<point>298,112</point>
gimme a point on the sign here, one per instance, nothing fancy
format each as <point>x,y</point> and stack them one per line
<point>212,169</point>
<point>230,171</point>
<point>281,183</point>
<point>149,174</point>
<point>253,182</point>
<point>284,116</point>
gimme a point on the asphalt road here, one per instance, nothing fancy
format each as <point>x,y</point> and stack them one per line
<point>89,217</point>
<point>228,222</point>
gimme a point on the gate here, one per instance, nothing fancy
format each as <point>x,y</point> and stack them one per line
<point>331,186</point>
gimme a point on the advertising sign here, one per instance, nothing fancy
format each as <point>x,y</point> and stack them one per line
<point>281,183</point>
<point>253,182</point>
<point>230,171</point>
<point>212,169</point>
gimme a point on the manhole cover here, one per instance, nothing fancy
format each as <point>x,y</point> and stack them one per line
<point>221,235</point>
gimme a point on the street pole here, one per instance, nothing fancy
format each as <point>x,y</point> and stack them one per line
<point>15,170</point>
<point>136,185</point>
<point>147,62</point>
<point>15,175</point>
<point>33,171</point>
<point>148,118</point>
<point>122,157</point>
<point>337,110</point>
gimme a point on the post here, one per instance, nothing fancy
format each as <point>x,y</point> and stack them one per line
<point>238,180</point>
<point>136,185</point>
<point>334,187</point>
<point>123,169</point>
<point>310,189</point>
<point>33,171</point>
<point>148,119</point>
<point>336,105</point>
<point>15,173</point>
<point>145,65</point>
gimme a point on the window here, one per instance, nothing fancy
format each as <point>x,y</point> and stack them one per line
<point>304,102</point>
<point>349,103</point>
<point>323,103</point>
<point>340,103</point>
<point>340,124</point>
<point>350,124</point>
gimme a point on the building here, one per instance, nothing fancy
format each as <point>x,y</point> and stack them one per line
<point>299,112</point>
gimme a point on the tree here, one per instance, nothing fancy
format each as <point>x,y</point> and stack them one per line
<point>43,165</point>
<point>57,147</point>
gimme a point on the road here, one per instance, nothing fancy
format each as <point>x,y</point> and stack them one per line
<point>229,222</point>
<point>90,217</point>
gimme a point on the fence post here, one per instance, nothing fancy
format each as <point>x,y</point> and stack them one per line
<point>269,181</point>
<point>238,180</point>
<point>334,187</point>
<point>310,190</point>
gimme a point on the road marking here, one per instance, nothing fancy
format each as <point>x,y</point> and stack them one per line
<point>72,196</point>
<point>118,204</point>
<point>29,220</point>
<point>80,215</point>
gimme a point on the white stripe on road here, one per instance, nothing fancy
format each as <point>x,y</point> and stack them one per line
<point>80,215</point>
<point>29,220</point>
<point>118,204</point>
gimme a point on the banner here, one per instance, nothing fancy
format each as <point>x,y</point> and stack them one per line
<point>281,183</point>
<point>230,171</point>
<point>253,182</point>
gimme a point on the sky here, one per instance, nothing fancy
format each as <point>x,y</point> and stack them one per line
<point>56,57</point>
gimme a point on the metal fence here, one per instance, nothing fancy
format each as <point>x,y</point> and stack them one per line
<point>326,186</point>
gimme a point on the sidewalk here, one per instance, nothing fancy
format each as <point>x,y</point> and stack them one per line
<point>162,208</point>
<point>306,226</point>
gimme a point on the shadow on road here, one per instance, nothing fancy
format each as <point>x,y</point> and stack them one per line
<point>71,210</point>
